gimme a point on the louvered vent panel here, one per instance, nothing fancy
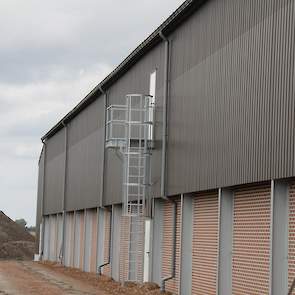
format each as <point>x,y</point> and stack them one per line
<point>107,241</point>
<point>167,246</point>
<point>93,259</point>
<point>125,236</point>
<point>81,223</point>
<point>251,241</point>
<point>205,244</point>
<point>291,260</point>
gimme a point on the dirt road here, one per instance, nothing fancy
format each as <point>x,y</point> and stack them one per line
<point>30,278</point>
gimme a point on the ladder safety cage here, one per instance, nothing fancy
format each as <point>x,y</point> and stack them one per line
<point>115,125</point>
<point>130,128</point>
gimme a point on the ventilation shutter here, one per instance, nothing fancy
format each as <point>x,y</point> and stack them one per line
<point>251,241</point>
<point>205,244</point>
<point>167,244</point>
<point>291,258</point>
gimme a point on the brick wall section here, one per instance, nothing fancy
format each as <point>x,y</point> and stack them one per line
<point>126,228</point>
<point>140,250</point>
<point>205,244</point>
<point>82,239</point>
<point>107,241</point>
<point>291,254</point>
<point>167,245</point>
<point>251,240</point>
<point>93,259</point>
<point>55,255</point>
<point>125,234</point>
<point>72,238</point>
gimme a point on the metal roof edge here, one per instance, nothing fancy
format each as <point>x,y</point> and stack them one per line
<point>168,26</point>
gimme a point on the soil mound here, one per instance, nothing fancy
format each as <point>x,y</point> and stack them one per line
<point>15,241</point>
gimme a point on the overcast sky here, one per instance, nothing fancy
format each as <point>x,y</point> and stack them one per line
<point>52,53</point>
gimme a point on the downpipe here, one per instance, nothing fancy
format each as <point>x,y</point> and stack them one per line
<point>173,265</point>
<point>99,268</point>
<point>163,162</point>
<point>61,255</point>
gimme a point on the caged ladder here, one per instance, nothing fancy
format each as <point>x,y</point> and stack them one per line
<point>136,155</point>
<point>130,128</point>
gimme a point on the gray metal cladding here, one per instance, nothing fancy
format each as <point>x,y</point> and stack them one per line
<point>85,157</point>
<point>231,104</point>
<point>39,198</point>
<point>136,80</point>
<point>54,173</point>
<point>231,109</point>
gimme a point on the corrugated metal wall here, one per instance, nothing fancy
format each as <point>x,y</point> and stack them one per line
<point>78,239</point>
<point>115,242</point>
<point>205,244</point>
<point>87,240</point>
<point>53,234</point>
<point>167,245</point>
<point>291,254</point>
<point>94,240</point>
<point>46,240</point>
<point>54,173</point>
<point>39,198</point>
<point>136,80</point>
<point>251,240</point>
<point>59,236</point>
<point>107,242</point>
<point>85,157</point>
<point>52,237</point>
<point>231,121</point>
<point>90,240</point>
<point>69,239</point>
<point>231,104</point>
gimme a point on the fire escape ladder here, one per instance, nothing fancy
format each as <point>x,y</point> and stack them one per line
<point>129,128</point>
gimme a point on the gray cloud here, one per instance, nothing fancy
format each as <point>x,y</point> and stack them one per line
<point>52,54</point>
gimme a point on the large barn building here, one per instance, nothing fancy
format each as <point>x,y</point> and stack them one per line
<point>178,168</point>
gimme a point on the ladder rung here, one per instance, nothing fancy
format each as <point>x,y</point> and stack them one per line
<point>133,184</point>
<point>136,166</point>
<point>135,195</point>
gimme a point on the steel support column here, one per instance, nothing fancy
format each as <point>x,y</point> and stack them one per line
<point>115,240</point>
<point>224,280</point>
<point>280,220</point>
<point>64,197</point>
<point>186,244</point>
<point>100,238</point>
<point>157,241</point>
<point>42,204</point>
